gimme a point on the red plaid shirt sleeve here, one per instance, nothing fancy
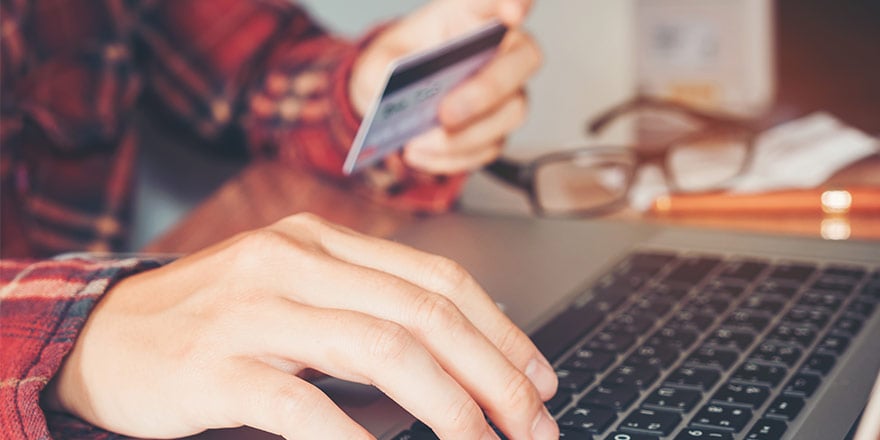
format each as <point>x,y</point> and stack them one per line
<point>258,71</point>
<point>43,306</point>
<point>266,68</point>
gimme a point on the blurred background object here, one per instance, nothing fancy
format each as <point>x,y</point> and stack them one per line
<point>828,58</point>
<point>716,54</point>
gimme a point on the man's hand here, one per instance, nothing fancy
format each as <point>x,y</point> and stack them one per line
<point>224,337</point>
<point>477,116</point>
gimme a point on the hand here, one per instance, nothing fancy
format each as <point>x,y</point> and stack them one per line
<point>477,116</point>
<point>224,337</point>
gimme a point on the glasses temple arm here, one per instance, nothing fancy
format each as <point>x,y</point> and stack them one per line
<point>507,171</point>
<point>598,124</point>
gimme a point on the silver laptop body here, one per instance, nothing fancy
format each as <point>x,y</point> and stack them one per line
<point>536,268</point>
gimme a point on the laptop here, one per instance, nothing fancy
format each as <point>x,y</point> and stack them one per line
<point>667,333</point>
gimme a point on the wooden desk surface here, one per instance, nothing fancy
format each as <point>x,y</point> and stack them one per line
<point>267,191</point>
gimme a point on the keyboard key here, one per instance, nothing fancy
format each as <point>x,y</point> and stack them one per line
<point>658,356</point>
<point>703,434</point>
<point>841,286</point>
<point>610,341</point>
<point>861,308</point>
<point>670,398</point>
<point>588,418</point>
<point>820,363</point>
<point>702,378</point>
<point>680,338</point>
<point>722,417</point>
<point>834,344</point>
<point>776,352</point>
<point>574,434</point>
<point>416,435</point>
<point>619,397</point>
<point>708,305</point>
<point>669,291</point>
<point>749,319</point>
<point>848,325</point>
<point>713,357</point>
<point>826,300</point>
<point>651,421</point>
<point>745,271</point>
<point>559,401</point>
<point>655,260</point>
<point>807,315</point>
<point>652,305</point>
<point>723,289</point>
<point>639,376</point>
<point>558,335</point>
<point>729,338</point>
<point>606,301</point>
<point>786,407</point>
<point>802,334</point>
<point>591,360</point>
<point>767,303</point>
<point>618,435</point>
<point>623,281</point>
<point>633,322</point>
<point>738,394</point>
<point>692,270</point>
<point>870,292</point>
<point>854,274</point>
<point>756,373</point>
<point>574,380</point>
<point>692,319</point>
<point>774,288</point>
<point>767,429</point>
<point>793,273</point>
<point>831,283</point>
<point>803,384</point>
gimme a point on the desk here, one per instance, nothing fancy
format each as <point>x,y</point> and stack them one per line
<point>268,191</point>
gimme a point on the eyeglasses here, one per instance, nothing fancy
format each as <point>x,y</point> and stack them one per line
<point>696,150</point>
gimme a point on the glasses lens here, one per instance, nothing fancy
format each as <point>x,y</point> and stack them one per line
<point>708,164</point>
<point>582,183</point>
<point>701,156</point>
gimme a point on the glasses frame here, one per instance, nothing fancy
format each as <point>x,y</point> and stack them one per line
<point>521,175</point>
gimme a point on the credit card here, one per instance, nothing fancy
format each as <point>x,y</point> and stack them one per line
<point>414,86</point>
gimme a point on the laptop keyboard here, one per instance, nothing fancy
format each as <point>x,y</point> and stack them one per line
<point>671,346</point>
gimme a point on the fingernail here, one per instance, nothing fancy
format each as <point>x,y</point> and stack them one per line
<point>542,376</point>
<point>544,427</point>
<point>490,435</point>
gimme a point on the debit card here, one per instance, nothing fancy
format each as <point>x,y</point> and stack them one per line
<point>409,103</point>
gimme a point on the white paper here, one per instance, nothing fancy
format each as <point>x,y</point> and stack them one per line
<point>799,154</point>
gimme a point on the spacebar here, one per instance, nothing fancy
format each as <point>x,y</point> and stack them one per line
<point>564,330</point>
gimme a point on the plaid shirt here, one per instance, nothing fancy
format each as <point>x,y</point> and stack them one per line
<point>43,306</point>
<point>258,72</point>
<point>73,72</point>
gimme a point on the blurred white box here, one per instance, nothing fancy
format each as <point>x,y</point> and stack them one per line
<point>711,53</point>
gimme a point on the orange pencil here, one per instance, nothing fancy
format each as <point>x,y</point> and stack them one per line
<point>832,201</point>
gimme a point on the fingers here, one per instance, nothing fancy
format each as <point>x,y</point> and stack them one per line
<point>503,77</point>
<point>265,398</point>
<point>441,152</point>
<point>361,348</point>
<point>439,275</point>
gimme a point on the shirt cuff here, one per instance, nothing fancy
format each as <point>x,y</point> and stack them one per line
<point>43,307</point>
